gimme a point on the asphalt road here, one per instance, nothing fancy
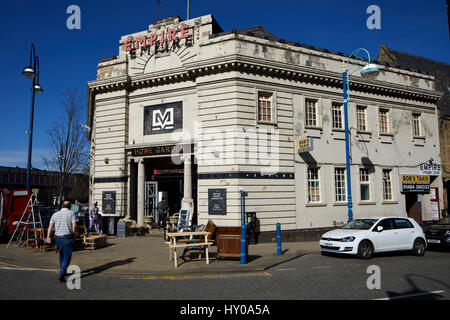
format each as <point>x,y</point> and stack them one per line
<point>311,277</point>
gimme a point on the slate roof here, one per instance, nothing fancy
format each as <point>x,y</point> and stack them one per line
<point>440,71</point>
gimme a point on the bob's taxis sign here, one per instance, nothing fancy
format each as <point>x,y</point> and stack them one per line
<point>415,183</point>
<point>305,145</point>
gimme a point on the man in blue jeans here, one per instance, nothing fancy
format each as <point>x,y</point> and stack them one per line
<point>65,224</point>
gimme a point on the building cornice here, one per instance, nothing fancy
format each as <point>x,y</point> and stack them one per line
<point>261,67</point>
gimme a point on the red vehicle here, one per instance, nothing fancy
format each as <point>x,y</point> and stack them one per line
<point>12,206</point>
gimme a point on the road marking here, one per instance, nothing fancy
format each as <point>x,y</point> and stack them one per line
<point>412,295</point>
<point>322,267</point>
<point>25,269</point>
<point>286,269</point>
<point>4,266</point>
<point>187,277</point>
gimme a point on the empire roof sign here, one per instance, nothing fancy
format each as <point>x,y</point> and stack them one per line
<point>171,35</point>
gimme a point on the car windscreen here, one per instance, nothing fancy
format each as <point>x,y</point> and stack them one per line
<point>445,220</point>
<point>360,224</point>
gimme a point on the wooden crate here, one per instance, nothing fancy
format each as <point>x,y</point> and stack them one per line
<point>94,242</point>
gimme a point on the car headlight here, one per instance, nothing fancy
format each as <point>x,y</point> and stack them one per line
<point>348,239</point>
<point>447,233</point>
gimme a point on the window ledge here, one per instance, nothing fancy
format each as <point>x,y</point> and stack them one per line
<point>340,204</point>
<point>386,137</point>
<point>419,141</point>
<point>314,204</point>
<point>272,123</point>
<point>389,202</point>
<point>314,132</point>
<point>367,203</point>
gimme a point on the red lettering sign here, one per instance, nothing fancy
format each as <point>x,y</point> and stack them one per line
<point>152,38</point>
<point>128,45</point>
<point>172,35</point>
<point>185,31</point>
<point>141,41</point>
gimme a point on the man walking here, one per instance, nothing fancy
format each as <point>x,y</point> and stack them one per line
<point>65,225</point>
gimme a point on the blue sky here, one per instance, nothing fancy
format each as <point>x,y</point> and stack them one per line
<point>68,58</point>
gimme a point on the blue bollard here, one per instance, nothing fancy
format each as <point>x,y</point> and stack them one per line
<point>279,239</point>
<point>243,244</point>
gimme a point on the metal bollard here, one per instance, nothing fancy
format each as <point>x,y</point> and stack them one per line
<point>243,244</point>
<point>279,239</point>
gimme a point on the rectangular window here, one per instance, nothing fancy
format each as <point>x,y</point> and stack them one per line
<point>416,124</point>
<point>364,182</point>
<point>313,185</point>
<point>387,184</point>
<point>310,113</point>
<point>339,184</point>
<point>361,121</point>
<point>383,120</point>
<point>265,107</point>
<point>336,110</point>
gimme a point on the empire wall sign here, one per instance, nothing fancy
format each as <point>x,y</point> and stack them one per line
<point>171,38</point>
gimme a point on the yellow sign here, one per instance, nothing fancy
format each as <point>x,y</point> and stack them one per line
<point>305,145</point>
<point>415,179</point>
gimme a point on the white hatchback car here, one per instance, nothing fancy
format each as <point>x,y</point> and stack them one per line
<point>365,236</point>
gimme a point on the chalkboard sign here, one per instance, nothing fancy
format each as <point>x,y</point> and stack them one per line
<point>109,202</point>
<point>217,201</point>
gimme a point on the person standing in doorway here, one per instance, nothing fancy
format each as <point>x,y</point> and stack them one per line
<point>65,225</point>
<point>95,218</point>
<point>163,210</point>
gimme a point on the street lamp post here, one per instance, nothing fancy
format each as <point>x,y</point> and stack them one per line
<point>368,69</point>
<point>32,71</point>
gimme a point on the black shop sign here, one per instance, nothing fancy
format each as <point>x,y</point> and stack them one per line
<point>217,201</point>
<point>109,202</point>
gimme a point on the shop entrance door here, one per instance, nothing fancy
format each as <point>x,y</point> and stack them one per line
<point>151,199</point>
<point>412,206</point>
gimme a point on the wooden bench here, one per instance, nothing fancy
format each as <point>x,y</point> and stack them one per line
<point>188,243</point>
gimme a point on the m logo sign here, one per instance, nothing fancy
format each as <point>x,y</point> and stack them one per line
<point>162,122</point>
<point>163,118</point>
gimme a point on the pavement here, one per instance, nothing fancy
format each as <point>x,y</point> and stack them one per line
<point>149,255</point>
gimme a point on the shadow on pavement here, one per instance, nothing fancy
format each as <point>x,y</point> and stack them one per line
<point>109,265</point>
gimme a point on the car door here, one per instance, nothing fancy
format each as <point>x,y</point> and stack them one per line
<point>384,240</point>
<point>404,233</point>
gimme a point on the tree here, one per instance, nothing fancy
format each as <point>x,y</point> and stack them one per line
<point>69,147</point>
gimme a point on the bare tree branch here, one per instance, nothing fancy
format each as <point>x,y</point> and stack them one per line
<point>68,143</point>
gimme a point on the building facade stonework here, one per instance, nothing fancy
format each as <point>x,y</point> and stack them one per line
<point>204,114</point>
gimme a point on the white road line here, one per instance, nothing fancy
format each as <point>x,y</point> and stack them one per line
<point>412,295</point>
<point>27,269</point>
<point>286,269</point>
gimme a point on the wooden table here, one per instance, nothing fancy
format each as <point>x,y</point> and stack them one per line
<point>185,243</point>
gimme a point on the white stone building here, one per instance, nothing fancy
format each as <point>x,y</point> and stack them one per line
<point>237,103</point>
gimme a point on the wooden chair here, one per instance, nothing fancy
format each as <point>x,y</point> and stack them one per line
<point>49,246</point>
<point>35,239</point>
<point>210,227</point>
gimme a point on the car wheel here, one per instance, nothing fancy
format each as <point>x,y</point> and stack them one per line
<point>365,249</point>
<point>418,247</point>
